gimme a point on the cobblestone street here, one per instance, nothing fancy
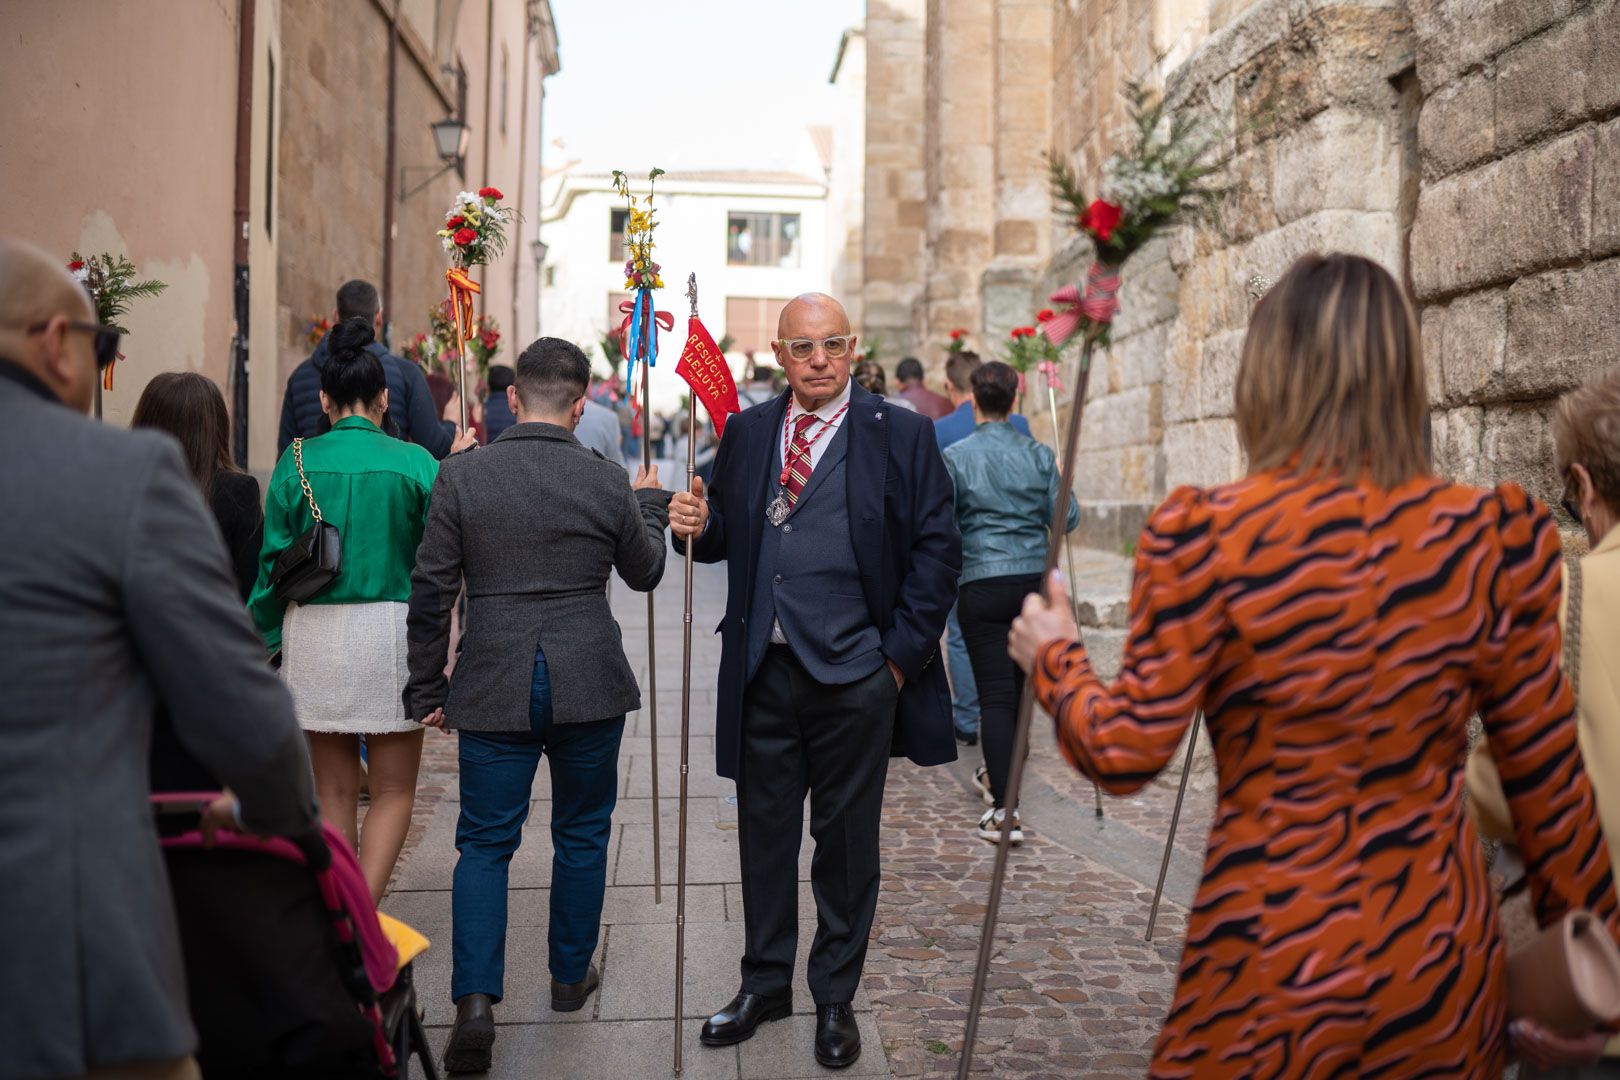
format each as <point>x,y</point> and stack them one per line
<point>1075,990</point>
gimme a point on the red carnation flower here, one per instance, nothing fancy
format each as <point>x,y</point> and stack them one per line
<point>1100,219</point>
<point>456,222</point>
<point>1045,315</point>
<point>958,335</point>
<point>490,193</point>
<point>76,264</point>
<point>464,237</point>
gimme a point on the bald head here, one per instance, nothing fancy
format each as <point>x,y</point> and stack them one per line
<point>814,308</point>
<point>821,376</point>
<point>39,303</point>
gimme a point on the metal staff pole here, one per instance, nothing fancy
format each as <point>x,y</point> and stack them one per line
<point>686,719</point>
<point>1026,709</point>
<point>1175,818</point>
<point>652,649</point>
<point>461,359</point>
<point>1058,524</point>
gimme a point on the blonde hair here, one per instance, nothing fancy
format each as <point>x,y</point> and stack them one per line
<point>1586,431</point>
<point>1332,374</point>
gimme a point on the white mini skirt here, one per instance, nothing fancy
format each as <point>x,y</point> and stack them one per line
<point>345,665</point>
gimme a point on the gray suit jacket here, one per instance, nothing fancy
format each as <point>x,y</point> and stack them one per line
<point>535,523</point>
<point>116,599</point>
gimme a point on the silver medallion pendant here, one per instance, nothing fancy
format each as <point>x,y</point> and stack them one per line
<point>778,510</point>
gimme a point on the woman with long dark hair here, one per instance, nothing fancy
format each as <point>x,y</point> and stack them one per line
<point>343,652</point>
<point>1337,615</point>
<point>191,408</point>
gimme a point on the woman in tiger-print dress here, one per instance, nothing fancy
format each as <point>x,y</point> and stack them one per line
<point>1338,629</point>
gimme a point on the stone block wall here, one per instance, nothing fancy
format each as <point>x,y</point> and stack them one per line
<point>895,227</point>
<point>1516,243</point>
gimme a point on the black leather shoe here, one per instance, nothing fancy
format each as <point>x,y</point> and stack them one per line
<point>838,1040</point>
<point>469,1048</point>
<point>570,997</point>
<point>736,1022</point>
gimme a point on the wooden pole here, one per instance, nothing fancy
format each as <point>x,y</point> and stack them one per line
<point>686,721</point>
<point>1175,819</point>
<point>1026,709</point>
<point>652,647</point>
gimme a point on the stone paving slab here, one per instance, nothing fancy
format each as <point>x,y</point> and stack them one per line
<point>629,1050</point>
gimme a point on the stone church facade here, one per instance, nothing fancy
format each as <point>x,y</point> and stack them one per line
<point>1472,147</point>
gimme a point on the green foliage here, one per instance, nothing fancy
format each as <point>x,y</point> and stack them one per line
<point>111,282</point>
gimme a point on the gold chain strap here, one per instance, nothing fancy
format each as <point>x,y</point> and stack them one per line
<point>298,459</point>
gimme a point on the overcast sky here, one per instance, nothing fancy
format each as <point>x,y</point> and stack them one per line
<point>692,84</point>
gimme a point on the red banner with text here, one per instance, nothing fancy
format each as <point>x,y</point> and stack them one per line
<point>704,368</point>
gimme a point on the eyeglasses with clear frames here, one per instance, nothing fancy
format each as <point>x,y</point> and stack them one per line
<point>805,348</point>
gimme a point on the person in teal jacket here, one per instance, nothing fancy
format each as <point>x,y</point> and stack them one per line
<point>1006,485</point>
<point>343,653</point>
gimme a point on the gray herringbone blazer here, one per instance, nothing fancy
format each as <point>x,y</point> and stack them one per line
<point>116,600</point>
<point>535,524</point>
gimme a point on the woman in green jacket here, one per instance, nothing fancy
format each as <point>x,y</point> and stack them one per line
<point>343,653</point>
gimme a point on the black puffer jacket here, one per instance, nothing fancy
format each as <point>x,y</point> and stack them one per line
<point>410,405</point>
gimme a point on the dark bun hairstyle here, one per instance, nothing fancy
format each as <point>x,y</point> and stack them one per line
<point>353,375</point>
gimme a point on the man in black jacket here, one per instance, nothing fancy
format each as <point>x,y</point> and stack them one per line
<point>832,511</point>
<point>410,404</point>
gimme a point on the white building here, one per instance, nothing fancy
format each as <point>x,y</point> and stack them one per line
<point>754,239</point>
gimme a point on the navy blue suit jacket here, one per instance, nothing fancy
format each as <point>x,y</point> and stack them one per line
<point>907,549</point>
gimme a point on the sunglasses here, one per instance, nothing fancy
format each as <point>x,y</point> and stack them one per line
<point>1571,501</point>
<point>105,344</point>
<point>805,348</point>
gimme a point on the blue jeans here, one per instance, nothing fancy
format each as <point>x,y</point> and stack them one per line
<point>497,775</point>
<point>964,690</point>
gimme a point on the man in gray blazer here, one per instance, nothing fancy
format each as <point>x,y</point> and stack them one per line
<point>116,601</point>
<point>535,524</point>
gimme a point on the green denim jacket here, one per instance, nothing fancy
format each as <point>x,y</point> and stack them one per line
<point>1005,484</point>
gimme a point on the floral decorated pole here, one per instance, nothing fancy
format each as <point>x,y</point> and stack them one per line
<point>1162,178</point>
<point>638,341</point>
<point>110,281</point>
<point>474,233</point>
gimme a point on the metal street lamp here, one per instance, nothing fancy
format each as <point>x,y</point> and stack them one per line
<point>450,137</point>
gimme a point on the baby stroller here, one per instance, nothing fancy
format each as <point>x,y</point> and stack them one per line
<point>289,969</point>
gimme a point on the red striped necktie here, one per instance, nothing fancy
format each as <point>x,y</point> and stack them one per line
<point>799,467</point>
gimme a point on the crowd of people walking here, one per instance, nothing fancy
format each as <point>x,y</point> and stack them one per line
<point>1334,617</point>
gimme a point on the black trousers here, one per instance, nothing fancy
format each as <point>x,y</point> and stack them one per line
<point>802,736</point>
<point>986,609</point>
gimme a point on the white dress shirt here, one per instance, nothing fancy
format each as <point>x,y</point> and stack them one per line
<point>831,417</point>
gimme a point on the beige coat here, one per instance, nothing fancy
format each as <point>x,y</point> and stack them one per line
<point>1598,708</point>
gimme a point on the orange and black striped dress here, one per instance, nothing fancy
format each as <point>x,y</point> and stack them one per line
<point>1338,636</point>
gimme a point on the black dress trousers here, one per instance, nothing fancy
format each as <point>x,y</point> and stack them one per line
<point>802,736</point>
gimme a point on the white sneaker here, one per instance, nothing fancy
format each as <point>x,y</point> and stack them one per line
<point>993,821</point>
<point>981,780</point>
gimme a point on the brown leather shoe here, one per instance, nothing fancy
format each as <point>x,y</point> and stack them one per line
<point>570,997</point>
<point>471,1042</point>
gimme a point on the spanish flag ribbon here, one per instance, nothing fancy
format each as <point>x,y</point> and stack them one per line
<point>462,290</point>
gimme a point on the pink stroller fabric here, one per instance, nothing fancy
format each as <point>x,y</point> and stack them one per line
<point>343,889</point>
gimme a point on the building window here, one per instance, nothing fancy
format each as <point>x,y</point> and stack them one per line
<point>270,149</point>
<point>762,239</point>
<point>751,322</point>
<point>617,221</point>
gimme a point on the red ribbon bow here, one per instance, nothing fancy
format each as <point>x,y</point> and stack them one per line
<point>1098,306</point>
<point>663,318</point>
<point>462,290</point>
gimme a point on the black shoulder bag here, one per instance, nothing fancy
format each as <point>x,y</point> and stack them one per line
<point>311,563</point>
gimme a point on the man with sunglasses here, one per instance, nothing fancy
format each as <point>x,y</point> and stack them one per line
<point>116,600</point>
<point>832,510</point>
